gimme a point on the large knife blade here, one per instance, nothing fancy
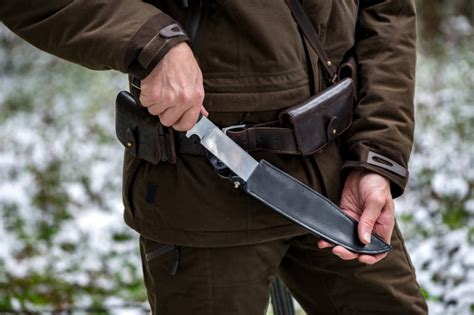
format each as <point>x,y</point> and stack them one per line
<point>285,194</point>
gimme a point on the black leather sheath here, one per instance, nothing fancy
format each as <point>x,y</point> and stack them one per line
<point>309,209</point>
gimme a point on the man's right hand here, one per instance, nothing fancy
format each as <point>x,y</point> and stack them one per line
<point>174,90</point>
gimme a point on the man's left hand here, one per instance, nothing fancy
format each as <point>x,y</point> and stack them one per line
<point>366,197</point>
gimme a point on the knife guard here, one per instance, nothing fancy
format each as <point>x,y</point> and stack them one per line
<point>309,209</point>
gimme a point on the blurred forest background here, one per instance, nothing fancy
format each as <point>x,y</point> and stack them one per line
<point>63,244</point>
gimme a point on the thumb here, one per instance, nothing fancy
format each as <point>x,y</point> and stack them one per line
<point>204,111</point>
<point>370,215</point>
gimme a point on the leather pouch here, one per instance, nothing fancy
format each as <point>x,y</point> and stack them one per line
<point>141,133</point>
<point>321,118</point>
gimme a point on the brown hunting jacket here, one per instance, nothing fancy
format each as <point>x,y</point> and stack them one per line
<point>254,65</point>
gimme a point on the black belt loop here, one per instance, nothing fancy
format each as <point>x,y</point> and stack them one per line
<point>252,139</point>
<point>255,138</point>
<point>167,146</point>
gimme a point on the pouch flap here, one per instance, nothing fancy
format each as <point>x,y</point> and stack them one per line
<point>136,129</point>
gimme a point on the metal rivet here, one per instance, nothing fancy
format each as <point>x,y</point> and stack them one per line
<point>236,184</point>
<point>129,144</point>
<point>334,131</point>
<point>329,63</point>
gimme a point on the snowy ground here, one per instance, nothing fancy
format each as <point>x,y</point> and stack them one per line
<point>438,210</point>
<point>63,242</point>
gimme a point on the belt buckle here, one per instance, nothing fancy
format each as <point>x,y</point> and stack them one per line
<point>226,129</point>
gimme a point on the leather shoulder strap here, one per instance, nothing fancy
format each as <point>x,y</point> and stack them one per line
<point>312,37</point>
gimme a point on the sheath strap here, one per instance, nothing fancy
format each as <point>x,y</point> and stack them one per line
<point>269,137</point>
<point>312,37</point>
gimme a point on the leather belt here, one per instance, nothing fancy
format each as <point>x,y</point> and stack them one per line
<point>267,137</point>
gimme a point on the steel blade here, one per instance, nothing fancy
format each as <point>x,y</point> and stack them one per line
<point>221,146</point>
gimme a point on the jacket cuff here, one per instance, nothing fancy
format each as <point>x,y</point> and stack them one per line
<point>151,42</point>
<point>378,159</point>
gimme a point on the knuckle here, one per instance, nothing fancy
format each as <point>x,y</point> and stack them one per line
<point>195,110</point>
<point>166,121</point>
<point>369,221</point>
<point>390,217</point>
<point>186,125</point>
<point>199,95</point>
<point>149,95</point>
<point>153,110</point>
<point>144,86</point>
<point>167,97</point>
<point>155,96</point>
<point>377,199</point>
<point>186,97</point>
<point>144,100</point>
<point>392,206</point>
<point>178,127</point>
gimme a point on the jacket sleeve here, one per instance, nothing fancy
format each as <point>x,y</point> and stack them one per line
<point>381,135</point>
<point>130,36</point>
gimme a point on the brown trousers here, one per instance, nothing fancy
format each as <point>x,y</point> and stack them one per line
<point>236,280</point>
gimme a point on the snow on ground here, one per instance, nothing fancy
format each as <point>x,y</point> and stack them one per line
<point>439,200</point>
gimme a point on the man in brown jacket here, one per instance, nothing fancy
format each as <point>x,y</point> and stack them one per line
<point>206,247</point>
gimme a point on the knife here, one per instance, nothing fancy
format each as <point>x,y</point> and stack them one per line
<point>285,194</point>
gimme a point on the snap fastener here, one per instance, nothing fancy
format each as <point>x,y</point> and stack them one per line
<point>129,144</point>
<point>329,63</point>
<point>331,131</point>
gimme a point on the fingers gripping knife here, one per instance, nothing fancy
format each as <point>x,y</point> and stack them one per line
<point>300,203</point>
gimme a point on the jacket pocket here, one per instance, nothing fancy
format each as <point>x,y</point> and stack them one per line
<point>158,255</point>
<point>160,251</point>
